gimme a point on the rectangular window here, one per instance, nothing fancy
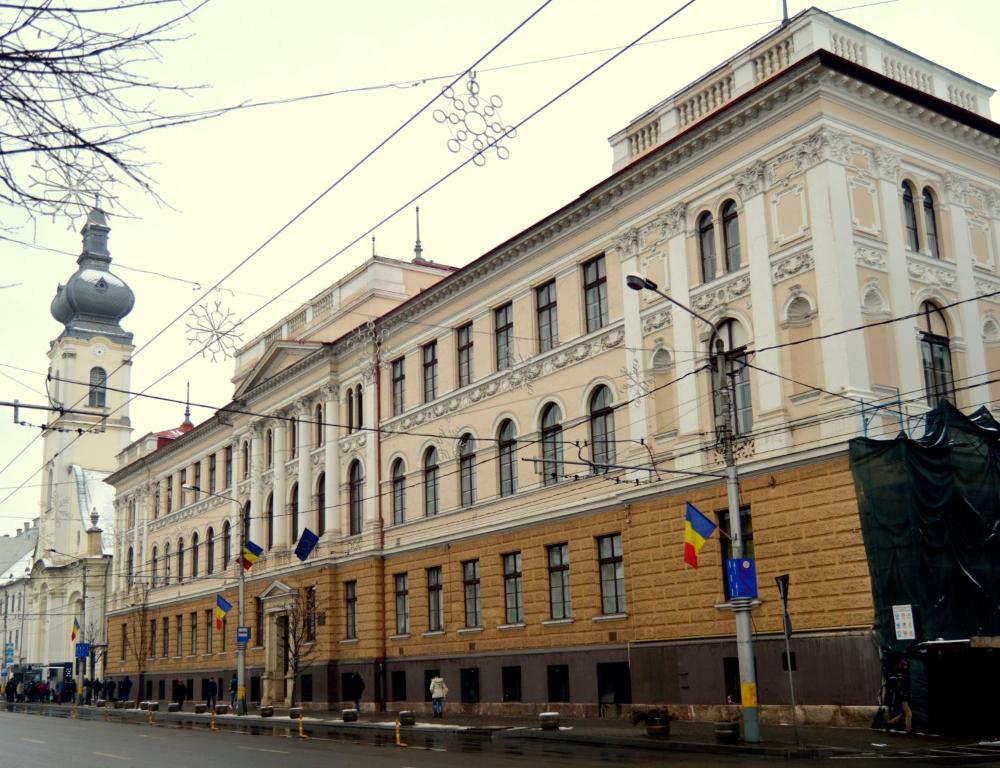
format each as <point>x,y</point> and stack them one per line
<point>510,681</point>
<point>152,637</point>
<point>211,473</point>
<point>170,493</point>
<point>310,617</point>
<point>473,602</point>
<point>124,642</point>
<point>512,583</point>
<point>402,604</point>
<point>351,607</point>
<point>180,635</point>
<point>398,386</point>
<point>595,293</point>
<point>464,355</point>
<point>223,633</point>
<point>229,466</point>
<point>558,680</point>
<point>430,371</point>
<point>258,636</point>
<point>545,308</point>
<point>559,589</point>
<point>197,480</point>
<point>398,685</point>
<point>209,630</point>
<point>609,552</point>
<point>746,526</point>
<point>469,681</point>
<point>503,329</point>
<point>194,633</point>
<point>166,635</point>
<point>435,600</point>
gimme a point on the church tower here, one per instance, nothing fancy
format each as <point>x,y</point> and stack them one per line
<point>89,376</point>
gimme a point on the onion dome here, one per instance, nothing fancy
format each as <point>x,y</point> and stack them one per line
<point>94,301</point>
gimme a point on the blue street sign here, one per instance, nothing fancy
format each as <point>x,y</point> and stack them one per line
<point>741,577</point>
<point>243,634</point>
<point>82,650</point>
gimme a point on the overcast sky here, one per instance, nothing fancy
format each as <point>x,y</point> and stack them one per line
<point>231,182</point>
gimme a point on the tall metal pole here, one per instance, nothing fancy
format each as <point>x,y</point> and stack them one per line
<point>82,663</point>
<point>241,650</point>
<point>741,607</point>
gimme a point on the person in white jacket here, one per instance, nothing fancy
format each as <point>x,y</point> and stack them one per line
<point>438,691</point>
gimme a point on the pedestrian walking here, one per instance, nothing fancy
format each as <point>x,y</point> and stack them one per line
<point>211,692</point>
<point>19,691</point>
<point>233,684</point>
<point>126,688</point>
<point>898,687</point>
<point>109,688</point>
<point>357,691</point>
<point>438,691</point>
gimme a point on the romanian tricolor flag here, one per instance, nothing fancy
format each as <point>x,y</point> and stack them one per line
<point>697,530</point>
<point>251,552</point>
<point>222,607</point>
<point>76,630</point>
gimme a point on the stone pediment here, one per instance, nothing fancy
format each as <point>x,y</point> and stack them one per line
<point>277,590</point>
<point>281,355</point>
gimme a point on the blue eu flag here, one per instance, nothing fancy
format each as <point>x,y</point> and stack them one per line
<point>307,543</point>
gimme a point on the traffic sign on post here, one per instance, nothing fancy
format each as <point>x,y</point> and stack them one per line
<point>243,634</point>
<point>82,650</point>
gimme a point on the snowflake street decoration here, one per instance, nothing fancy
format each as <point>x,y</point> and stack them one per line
<point>70,188</point>
<point>474,122</point>
<point>213,328</point>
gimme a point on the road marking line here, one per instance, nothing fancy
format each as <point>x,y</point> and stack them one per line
<point>33,741</point>
<point>108,754</point>
<point>144,736</point>
<point>261,749</point>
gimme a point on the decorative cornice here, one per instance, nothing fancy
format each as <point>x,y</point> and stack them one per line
<point>822,144</point>
<point>791,265</point>
<point>515,378</point>
<point>870,257</point>
<point>673,220</point>
<point>750,181</point>
<point>719,294</point>
<point>626,243</point>
<point>931,274</point>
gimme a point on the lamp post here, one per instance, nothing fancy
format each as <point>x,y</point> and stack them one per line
<point>241,650</point>
<point>726,434</point>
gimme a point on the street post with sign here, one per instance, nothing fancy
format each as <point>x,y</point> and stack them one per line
<point>782,582</point>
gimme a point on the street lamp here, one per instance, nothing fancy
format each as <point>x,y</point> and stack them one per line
<point>724,428</point>
<point>241,650</point>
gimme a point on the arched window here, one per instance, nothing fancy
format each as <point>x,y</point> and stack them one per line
<point>180,559</point>
<point>246,459</point>
<point>706,246</point>
<point>227,544</point>
<point>467,469</point>
<point>359,407</point>
<point>98,397</point>
<point>737,375</point>
<point>910,218</point>
<point>398,492</point>
<point>552,445</point>
<point>269,519</point>
<point>131,567</point>
<point>799,310</point>
<point>507,458</point>
<point>293,511</point>
<point>661,360</point>
<point>154,567</point>
<point>432,497</point>
<point>355,489</point>
<point>930,224</point>
<point>935,352</point>
<point>269,449</point>
<point>318,426</point>
<point>166,563</point>
<point>321,504</point>
<point>602,430</point>
<point>350,410</point>
<point>731,235</point>
<point>210,551</point>
<point>194,555</point>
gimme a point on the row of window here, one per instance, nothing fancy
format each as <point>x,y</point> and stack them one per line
<point>612,578</point>
<point>183,556</point>
<point>595,298</point>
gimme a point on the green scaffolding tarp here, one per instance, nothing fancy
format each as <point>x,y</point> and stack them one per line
<point>930,518</point>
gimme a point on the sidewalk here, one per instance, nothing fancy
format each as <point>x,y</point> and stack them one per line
<point>685,736</point>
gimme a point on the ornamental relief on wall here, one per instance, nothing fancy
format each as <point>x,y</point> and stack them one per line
<point>791,265</point>
<point>931,274</point>
<point>719,295</point>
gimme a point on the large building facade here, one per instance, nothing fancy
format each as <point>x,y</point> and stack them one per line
<point>498,461</point>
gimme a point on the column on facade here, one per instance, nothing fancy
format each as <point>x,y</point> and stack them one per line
<point>769,388</point>
<point>845,363</point>
<point>256,486</point>
<point>137,532</point>
<point>146,507</point>
<point>959,250</point>
<point>279,492</point>
<point>371,455</point>
<point>627,246</point>
<point>306,511</point>
<point>331,459</point>
<point>900,297</point>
